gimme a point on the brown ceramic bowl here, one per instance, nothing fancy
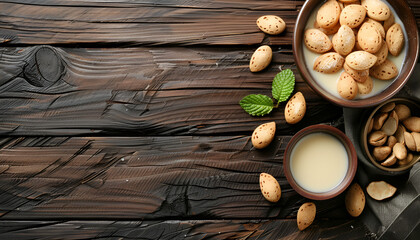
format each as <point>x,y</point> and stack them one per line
<point>405,14</point>
<point>352,158</point>
<point>367,149</point>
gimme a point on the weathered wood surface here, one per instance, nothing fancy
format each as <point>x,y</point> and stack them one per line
<point>193,229</point>
<point>153,87</point>
<point>145,178</point>
<point>220,22</point>
<point>147,91</point>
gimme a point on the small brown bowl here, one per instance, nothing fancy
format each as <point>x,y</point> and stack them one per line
<point>415,111</point>
<point>352,157</point>
<point>404,13</point>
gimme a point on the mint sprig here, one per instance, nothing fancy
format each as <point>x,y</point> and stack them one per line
<point>260,105</point>
<point>257,104</point>
<point>283,85</point>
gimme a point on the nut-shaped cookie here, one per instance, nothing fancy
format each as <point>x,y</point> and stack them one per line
<point>357,75</point>
<point>391,124</point>
<point>361,60</point>
<point>365,87</point>
<point>402,111</point>
<point>271,24</point>
<point>377,138</point>
<point>352,15</point>
<point>347,87</point>
<point>400,151</point>
<point>378,26</point>
<point>344,40</point>
<point>391,160</point>
<point>295,108</point>
<point>384,71</point>
<point>355,200</point>
<point>378,120</point>
<point>409,141</point>
<point>416,137</point>
<point>399,134</point>
<point>369,38</point>
<point>395,39</point>
<point>376,9</point>
<point>387,107</point>
<point>260,59</point>
<point>306,215</point>
<point>263,135</point>
<point>328,14</point>
<point>269,187</point>
<point>380,190</point>
<point>380,153</point>
<point>317,41</point>
<point>412,123</point>
<point>391,141</point>
<point>382,53</point>
<point>329,63</point>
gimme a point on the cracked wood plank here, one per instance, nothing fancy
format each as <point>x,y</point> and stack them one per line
<point>145,178</point>
<point>141,91</point>
<point>175,229</point>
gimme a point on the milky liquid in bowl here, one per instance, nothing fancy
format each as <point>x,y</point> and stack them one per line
<point>329,81</point>
<point>319,162</point>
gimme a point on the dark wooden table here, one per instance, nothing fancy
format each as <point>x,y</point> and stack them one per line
<point>120,120</point>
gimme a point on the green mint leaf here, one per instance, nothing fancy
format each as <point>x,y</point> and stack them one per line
<point>283,85</point>
<point>257,104</point>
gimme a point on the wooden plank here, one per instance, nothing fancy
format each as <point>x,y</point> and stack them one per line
<point>145,178</point>
<point>148,91</point>
<point>191,229</point>
<point>219,22</point>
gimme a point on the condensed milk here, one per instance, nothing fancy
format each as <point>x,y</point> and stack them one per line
<point>319,162</point>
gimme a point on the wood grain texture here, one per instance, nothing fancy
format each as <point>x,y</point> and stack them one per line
<point>220,22</point>
<point>171,230</point>
<point>145,178</point>
<point>147,91</point>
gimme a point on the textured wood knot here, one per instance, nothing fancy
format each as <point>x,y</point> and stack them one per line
<point>44,67</point>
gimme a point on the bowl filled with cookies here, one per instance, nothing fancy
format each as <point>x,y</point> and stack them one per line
<point>391,135</point>
<point>356,53</point>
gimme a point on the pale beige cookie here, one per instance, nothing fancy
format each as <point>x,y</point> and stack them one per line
<point>271,24</point>
<point>329,63</point>
<point>353,15</point>
<point>346,86</point>
<point>369,38</point>
<point>385,71</point>
<point>376,9</point>
<point>361,60</point>
<point>358,75</point>
<point>382,53</point>
<point>328,14</point>
<point>317,41</point>
<point>365,87</point>
<point>344,40</point>
<point>395,39</point>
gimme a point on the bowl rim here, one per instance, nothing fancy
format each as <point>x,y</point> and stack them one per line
<point>397,84</point>
<point>351,171</point>
<point>365,147</point>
